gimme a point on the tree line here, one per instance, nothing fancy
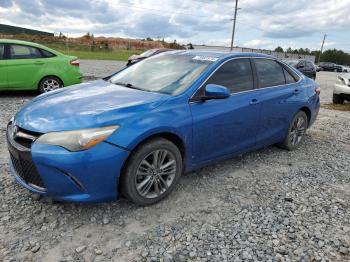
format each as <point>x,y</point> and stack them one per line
<point>331,55</point>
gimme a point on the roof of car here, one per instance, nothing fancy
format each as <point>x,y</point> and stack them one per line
<point>221,55</point>
<point>20,42</point>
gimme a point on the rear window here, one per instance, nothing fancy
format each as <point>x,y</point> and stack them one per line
<point>270,73</point>
<point>24,52</point>
<point>309,65</point>
<point>292,62</point>
<point>46,53</point>
<point>2,51</point>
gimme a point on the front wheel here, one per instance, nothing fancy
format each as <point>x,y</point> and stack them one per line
<point>49,83</point>
<point>338,99</point>
<point>152,172</point>
<point>296,131</point>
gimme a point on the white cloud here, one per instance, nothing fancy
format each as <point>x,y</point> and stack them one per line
<point>261,44</point>
<point>261,23</point>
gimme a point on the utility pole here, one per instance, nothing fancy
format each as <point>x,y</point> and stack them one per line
<point>319,56</point>
<point>234,25</point>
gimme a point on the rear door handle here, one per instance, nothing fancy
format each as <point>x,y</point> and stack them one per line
<point>39,63</point>
<point>254,101</point>
<point>297,91</point>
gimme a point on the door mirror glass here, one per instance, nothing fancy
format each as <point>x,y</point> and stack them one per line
<point>213,91</point>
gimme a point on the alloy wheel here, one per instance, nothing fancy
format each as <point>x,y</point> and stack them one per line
<point>50,85</point>
<point>297,131</point>
<point>155,173</point>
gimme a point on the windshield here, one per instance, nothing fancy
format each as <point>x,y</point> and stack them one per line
<point>148,53</point>
<point>165,73</point>
<point>291,62</point>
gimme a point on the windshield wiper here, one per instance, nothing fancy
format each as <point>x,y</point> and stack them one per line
<point>131,86</point>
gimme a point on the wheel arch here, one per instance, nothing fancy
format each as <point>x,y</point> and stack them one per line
<point>170,136</point>
<point>307,111</point>
<point>51,75</point>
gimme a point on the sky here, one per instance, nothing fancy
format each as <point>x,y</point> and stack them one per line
<point>262,24</point>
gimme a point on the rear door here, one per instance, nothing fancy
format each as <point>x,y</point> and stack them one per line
<point>309,69</point>
<point>277,88</point>
<point>225,126</point>
<point>302,67</point>
<point>3,67</point>
<point>25,66</point>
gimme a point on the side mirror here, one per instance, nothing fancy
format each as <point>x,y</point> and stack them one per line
<point>213,91</point>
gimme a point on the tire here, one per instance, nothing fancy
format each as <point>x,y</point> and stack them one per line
<point>143,172</point>
<point>338,99</point>
<point>49,83</point>
<point>296,132</point>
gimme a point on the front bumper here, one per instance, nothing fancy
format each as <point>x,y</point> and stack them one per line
<point>341,89</point>
<point>86,176</point>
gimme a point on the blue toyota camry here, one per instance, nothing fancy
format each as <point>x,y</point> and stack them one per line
<point>135,132</point>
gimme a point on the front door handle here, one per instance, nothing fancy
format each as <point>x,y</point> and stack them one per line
<point>254,101</point>
<point>39,63</point>
<point>297,91</point>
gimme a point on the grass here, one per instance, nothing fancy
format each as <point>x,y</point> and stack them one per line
<point>343,107</point>
<point>117,54</point>
<point>78,51</point>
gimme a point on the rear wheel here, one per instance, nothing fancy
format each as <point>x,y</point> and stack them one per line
<point>152,172</point>
<point>296,131</point>
<point>49,83</point>
<point>338,99</point>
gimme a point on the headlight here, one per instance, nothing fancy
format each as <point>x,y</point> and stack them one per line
<point>341,80</point>
<point>77,140</point>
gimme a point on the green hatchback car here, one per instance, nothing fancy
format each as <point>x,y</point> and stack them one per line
<point>30,66</point>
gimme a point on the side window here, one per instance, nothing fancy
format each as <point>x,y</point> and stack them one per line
<point>289,78</point>
<point>2,51</point>
<point>302,64</point>
<point>236,75</point>
<point>309,66</point>
<point>270,73</point>
<point>46,53</point>
<point>24,52</point>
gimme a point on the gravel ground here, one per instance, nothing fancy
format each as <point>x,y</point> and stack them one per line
<point>268,205</point>
<point>93,69</point>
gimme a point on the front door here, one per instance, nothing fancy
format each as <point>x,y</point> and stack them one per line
<point>226,126</point>
<point>24,66</point>
<point>3,67</point>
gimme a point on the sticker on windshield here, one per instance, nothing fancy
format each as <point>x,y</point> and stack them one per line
<point>205,58</point>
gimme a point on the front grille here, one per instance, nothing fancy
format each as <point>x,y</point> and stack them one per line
<point>21,159</point>
<point>26,169</point>
<point>25,137</point>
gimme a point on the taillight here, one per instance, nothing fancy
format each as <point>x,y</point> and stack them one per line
<point>75,62</point>
<point>318,90</point>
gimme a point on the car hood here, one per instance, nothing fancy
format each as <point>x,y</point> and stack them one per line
<point>86,105</point>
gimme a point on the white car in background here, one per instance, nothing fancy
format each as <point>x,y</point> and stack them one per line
<point>341,91</point>
<point>345,69</point>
